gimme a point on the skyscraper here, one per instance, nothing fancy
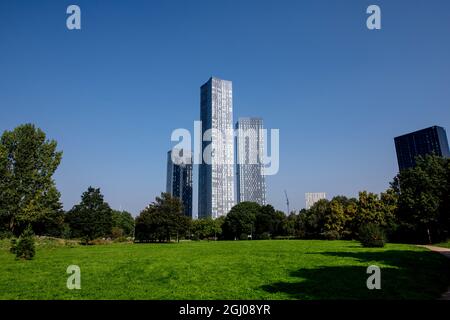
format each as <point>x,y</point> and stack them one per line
<point>179,177</point>
<point>312,197</point>
<point>250,180</point>
<point>216,176</point>
<point>431,140</point>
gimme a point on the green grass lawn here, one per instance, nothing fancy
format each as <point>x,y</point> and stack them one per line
<point>288,269</point>
<point>444,244</point>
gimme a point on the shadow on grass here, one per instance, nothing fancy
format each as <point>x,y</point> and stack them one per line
<point>404,275</point>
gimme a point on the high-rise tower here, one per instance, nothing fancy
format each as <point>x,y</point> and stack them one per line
<point>179,177</point>
<point>250,182</point>
<point>216,176</point>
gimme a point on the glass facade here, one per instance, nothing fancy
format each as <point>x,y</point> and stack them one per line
<point>179,178</point>
<point>216,176</point>
<point>431,140</point>
<point>250,180</point>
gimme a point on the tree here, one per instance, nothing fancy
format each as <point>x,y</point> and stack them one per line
<point>28,194</point>
<point>240,220</point>
<point>314,219</point>
<point>91,218</point>
<point>371,209</point>
<point>162,220</point>
<point>24,247</point>
<point>269,222</point>
<point>206,228</point>
<point>123,221</point>
<point>334,220</point>
<point>423,200</point>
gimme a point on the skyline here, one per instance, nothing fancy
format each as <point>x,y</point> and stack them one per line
<point>338,93</point>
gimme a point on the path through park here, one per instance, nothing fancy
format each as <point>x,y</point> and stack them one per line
<point>445,252</point>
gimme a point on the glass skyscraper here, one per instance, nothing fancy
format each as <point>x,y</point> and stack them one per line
<point>216,176</point>
<point>250,180</point>
<point>179,177</point>
<point>431,140</point>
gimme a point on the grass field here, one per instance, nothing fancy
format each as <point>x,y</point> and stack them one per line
<point>444,244</point>
<point>225,270</point>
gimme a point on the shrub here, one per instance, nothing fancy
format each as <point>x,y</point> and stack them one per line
<point>25,245</point>
<point>243,236</point>
<point>372,236</point>
<point>117,233</point>
<point>6,234</point>
<point>264,236</point>
<point>331,235</point>
<point>13,247</point>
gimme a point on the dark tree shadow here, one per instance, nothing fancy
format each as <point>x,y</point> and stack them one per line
<point>404,275</point>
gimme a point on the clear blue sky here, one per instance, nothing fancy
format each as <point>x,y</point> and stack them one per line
<point>112,93</point>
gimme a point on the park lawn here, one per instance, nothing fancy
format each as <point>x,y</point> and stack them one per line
<point>444,244</point>
<point>278,269</point>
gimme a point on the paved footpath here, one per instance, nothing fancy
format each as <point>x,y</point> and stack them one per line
<point>445,252</point>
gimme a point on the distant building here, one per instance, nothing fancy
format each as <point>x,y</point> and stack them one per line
<point>431,140</point>
<point>312,197</point>
<point>179,177</point>
<point>250,180</point>
<point>216,176</point>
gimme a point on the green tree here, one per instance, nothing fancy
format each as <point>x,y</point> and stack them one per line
<point>24,247</point>
<point>314,219</point>
<point>206,228</point>
<point>124,221</point>
<point>334,220</point>
<point>269,221</point>
<point>28,194</point>
<point>91,218</point>
<point>423,199</point>
<point>240,220</point>
<point>162,220</point>
<point>370,210</point>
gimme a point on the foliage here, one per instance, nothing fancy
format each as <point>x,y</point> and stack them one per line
<point>123,224</point>
<point>424,200</point>
<point>372,236</point>
<point>241,220</point>
<point>162,220</point>
<point>28,194</point>
<point>206,228</point>
<point>91,218</point>
<point>24,247</point>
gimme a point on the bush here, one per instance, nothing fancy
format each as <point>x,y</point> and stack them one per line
<point>264,236</point>
<point>6,234</point>
<point>13,246</point>
<point>331,235</point>
<point>117,233</point>
<point>24,248</point>
<point>372,236</point>
<point>243,236</point>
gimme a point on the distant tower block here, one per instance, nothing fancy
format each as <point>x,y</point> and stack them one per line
<point>250,182</point>
<point>179,177</point>
<point>312,197</point>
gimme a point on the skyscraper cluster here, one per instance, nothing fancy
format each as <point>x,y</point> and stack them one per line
<point>216,182</point>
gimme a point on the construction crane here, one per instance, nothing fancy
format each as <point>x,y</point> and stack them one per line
<point>287,202</point>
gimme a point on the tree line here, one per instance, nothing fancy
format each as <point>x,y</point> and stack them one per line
<point>415,208</point>
<point>29,198</point>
